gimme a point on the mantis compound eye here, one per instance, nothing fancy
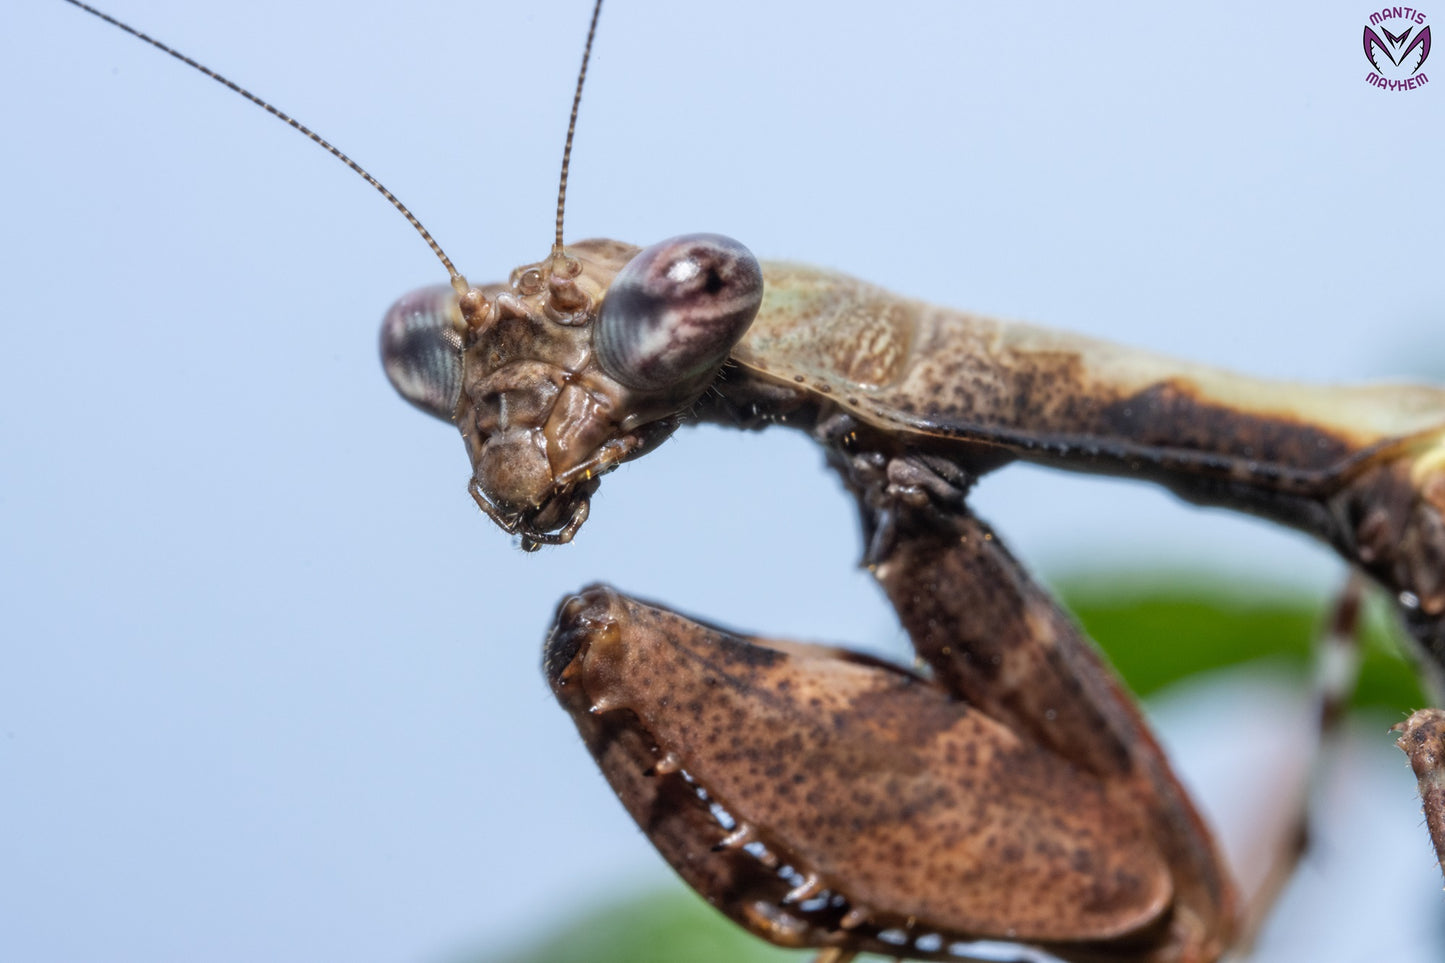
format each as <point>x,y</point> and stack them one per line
<point>675,311</point>
<point>421,349</point>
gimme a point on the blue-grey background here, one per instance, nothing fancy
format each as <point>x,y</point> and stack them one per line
<point>268,683</point>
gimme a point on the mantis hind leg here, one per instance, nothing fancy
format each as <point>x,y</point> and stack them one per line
<point>1422,737</point>
<point>1337,659</point>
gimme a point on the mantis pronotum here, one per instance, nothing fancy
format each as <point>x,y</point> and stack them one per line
<point>1261,242</point>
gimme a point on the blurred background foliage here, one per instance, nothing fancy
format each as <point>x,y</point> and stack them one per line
<point>1157,629</point>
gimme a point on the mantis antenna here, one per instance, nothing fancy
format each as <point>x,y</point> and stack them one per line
<point>459,283</point>
<point>571,129</point>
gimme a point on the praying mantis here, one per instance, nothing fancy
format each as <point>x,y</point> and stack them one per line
<point>225,475</point>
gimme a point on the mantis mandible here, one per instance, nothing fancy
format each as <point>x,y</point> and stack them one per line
<point>950,252</point>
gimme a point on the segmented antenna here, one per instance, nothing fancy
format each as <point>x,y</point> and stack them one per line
<point>458,281</point>
<point>571,127</point>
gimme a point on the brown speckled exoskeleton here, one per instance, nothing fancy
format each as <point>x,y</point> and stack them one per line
<point>1009,791</point>
<point>821,798</point>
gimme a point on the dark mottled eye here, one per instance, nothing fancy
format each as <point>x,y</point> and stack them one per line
<point>676,310</point>
<point>421,349</point>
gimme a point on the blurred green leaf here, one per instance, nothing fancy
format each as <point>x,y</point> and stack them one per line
<point>671,926</point>
<point>1160,629</point>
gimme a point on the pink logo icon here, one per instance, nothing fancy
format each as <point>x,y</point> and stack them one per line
<point>1397,51</point>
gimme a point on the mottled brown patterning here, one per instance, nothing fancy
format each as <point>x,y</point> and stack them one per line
<point>1013,793</point>
<point>821,798</point>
